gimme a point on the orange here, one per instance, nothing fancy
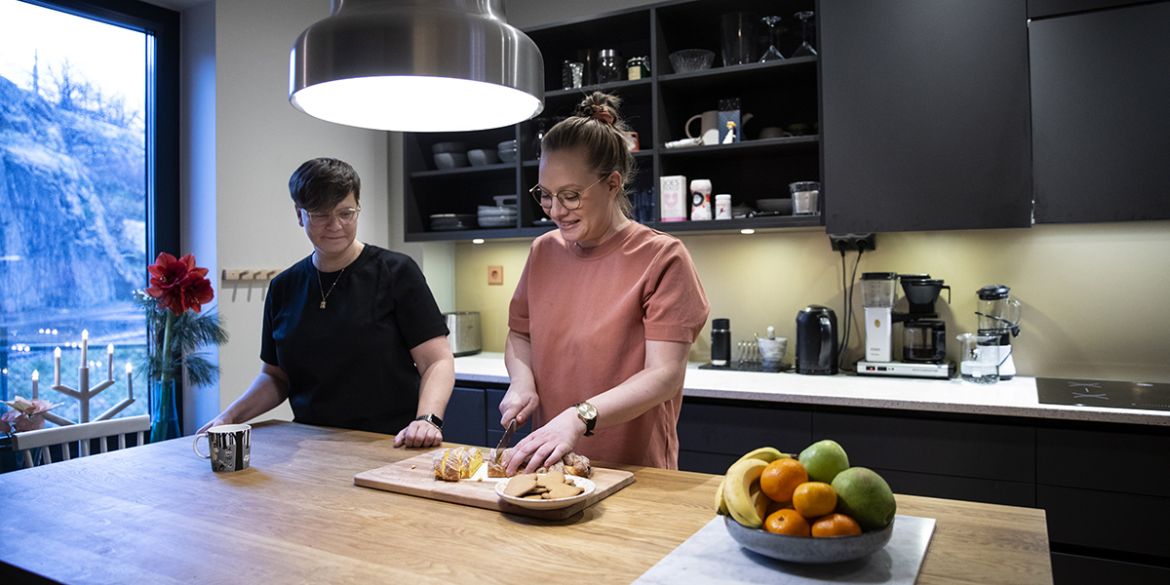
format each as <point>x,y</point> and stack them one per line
<point>781,477</point>
<point>814,498</point>
<point>835,525</point>
<point>787,521</point>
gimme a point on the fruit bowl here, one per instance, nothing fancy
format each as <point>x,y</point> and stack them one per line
<point>808,550</point>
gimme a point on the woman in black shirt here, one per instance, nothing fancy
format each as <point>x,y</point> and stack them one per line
<point>352,337</point>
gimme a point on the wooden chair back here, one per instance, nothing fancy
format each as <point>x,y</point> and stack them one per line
<point>82,434</point>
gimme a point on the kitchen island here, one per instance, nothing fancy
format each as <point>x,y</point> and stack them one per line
<point>157,514</point>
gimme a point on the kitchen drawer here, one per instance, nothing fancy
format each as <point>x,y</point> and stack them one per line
<point>1134,523</point>
<point>1070,569</point>
<point>464,420</point>
<point>1141,459</point>
<point>939,447</point>
<point>960,488</point>
<point>705,462</point>
<point>735,429</point>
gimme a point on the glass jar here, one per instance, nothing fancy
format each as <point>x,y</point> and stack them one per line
<point>609,67</point>
<point>637,68</point>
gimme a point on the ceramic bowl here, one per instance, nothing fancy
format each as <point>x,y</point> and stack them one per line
<point>781,205</point>
<point>808,550</point>
<point>450,160</point>
<point>482,156</point>
<point>449,147</point>
<point>580,482</point>
<point>690,60</point>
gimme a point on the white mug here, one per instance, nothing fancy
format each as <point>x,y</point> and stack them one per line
<point>229,447</point>
<point>708,127</point>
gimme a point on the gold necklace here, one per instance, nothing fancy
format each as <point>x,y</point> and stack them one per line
<point>325,294</point>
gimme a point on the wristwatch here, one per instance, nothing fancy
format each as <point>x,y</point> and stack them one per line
<point>588,415</point>
<point>438,422</point>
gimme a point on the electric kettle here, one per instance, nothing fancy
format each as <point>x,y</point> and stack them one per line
<point>816,341</point>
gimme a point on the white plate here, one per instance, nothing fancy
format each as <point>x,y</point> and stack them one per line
<point>580,482</point>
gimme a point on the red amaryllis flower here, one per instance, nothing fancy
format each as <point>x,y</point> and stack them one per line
<point>178,284</point>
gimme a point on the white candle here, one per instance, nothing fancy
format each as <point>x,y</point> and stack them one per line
<point>57,366</point>
<point>130,380</point>
<point>110,359</point>
<point>36,378</point>
<point>84,347</point>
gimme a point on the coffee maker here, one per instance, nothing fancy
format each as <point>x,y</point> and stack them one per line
<point>924,335</point>
<point>999,322</point>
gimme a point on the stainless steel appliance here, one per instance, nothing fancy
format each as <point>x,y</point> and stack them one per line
<point>924,349</point>
<point>464,333</point>
<point>999,320</point>
<point>816,341</point>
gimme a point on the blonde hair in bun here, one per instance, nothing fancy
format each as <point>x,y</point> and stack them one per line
<point>596,127</point>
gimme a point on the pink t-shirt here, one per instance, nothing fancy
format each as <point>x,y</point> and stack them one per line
<point>588,313</point>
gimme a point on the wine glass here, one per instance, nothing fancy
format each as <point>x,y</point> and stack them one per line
<point>772,54</point>
<point>805,49</point>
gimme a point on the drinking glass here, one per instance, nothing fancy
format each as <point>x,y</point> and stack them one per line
<point>805,49</point>
<point>739,38</point>
<point>772,54</point>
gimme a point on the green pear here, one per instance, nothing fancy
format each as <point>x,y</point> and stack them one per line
<point>824,460</point>
<point>864,495</point>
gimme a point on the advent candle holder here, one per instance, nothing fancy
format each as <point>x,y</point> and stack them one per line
<point>84,393</point>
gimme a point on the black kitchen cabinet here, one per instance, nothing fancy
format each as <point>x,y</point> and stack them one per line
<point>924,115</point>
<point>1046,8</point>
<point>1100,122</point>
<point>464,420</point>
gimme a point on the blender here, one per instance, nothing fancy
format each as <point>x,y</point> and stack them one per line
<point>999,322</point>
<point>877,297</point>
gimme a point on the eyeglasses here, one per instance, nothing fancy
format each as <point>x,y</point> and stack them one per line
<point>345,217</point>
<point>570,199</point>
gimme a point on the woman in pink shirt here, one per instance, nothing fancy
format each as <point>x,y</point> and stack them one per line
<point>603,317</point>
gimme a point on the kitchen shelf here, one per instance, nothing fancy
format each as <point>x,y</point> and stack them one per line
<point>740,148</point>
<point>777,94</point>
<point>738,74</point>
<point>510,166</point>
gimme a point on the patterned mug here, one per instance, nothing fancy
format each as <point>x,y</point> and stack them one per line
<point>229,447</point>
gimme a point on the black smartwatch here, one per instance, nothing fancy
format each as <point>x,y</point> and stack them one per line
<point>438,422</point>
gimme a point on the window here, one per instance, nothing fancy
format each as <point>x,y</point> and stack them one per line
<point>88,189</point>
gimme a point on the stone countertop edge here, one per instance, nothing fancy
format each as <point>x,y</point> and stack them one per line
<point>1016,397</point>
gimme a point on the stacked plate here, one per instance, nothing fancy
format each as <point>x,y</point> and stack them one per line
<point>501,215</point>
<point>442,222</point>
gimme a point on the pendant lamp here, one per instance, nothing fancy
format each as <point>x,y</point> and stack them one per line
<point>416,66</point>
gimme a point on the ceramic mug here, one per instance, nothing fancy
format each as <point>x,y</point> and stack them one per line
<point>708,127</point>
<point>229,447</point>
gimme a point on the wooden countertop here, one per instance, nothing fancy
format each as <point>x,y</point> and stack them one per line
<point>158,514</point>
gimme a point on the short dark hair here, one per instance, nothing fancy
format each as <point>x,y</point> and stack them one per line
<point>322,183</point>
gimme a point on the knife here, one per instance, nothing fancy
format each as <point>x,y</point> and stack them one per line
<point>503,444</point>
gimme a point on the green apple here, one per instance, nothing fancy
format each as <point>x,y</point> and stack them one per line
<point>824,460</point>
<point>864,495</point>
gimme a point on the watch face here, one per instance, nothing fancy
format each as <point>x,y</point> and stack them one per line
<point>587,410</point>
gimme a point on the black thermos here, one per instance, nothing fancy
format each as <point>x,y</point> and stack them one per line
<point>721,342</point>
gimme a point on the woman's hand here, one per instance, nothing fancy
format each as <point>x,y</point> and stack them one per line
<point>548,444</point>
<point>419,433</point>
<point>518,403</point>
<point>222,419</point>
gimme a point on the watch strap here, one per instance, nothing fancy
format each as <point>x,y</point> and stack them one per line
<point>430,418</point>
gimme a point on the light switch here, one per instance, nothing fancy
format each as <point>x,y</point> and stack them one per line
<point>495,275</point>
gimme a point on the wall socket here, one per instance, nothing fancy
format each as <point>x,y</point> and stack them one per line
<point>853,242</point>
<point>495,275</point>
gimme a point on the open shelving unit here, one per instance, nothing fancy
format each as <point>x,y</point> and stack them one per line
<point>781,94</point>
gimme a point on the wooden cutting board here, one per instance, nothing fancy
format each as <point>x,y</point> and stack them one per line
<point>414,477</point>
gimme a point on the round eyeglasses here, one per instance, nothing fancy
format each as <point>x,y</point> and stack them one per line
<point>570,199</point>
<point>345,217</point>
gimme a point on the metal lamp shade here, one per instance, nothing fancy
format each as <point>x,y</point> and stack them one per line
<point>416,66</point>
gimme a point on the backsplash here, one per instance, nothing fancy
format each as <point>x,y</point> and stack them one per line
<point>1093,295</point>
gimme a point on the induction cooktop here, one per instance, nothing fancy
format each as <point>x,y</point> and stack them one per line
<point>1104,393</point>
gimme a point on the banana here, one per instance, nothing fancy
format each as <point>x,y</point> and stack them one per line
<point>737,491</point>
<point>761,500</point>
<point>765,454</point>
<point>720,504</point>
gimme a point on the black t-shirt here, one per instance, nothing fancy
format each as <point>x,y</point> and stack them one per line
<point>349,364</point>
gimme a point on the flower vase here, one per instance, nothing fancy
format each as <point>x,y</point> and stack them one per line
<point>164,412</point>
